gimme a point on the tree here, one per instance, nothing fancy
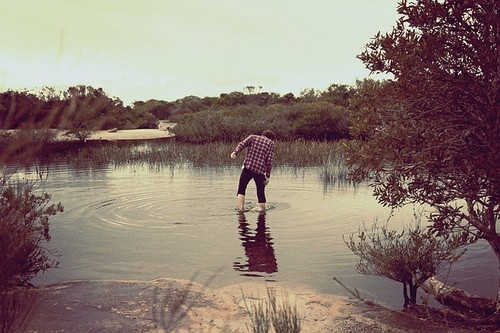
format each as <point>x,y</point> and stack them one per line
<point>309,95</point>
<point>435,140</point>
<point>368,97</point>
<point>338,94</point>
<point>85,111</point>
<point>159,109</point>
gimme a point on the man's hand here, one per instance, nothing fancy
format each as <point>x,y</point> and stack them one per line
<point>233,155</point>
<point>266,181</point>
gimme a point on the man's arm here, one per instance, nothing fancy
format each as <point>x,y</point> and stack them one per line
<point>241,146</point>
<point>269,163</point>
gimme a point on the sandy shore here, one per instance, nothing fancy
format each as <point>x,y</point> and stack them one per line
<point>136,134</point>
<point>163,131</point>
<point>149,306</point>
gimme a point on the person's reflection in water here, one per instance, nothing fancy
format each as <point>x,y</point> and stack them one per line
<point>258,248</point>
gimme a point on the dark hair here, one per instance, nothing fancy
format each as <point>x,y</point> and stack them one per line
<point>269,134</point>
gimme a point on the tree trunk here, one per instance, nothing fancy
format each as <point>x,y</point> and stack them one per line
<point>458,299</point>
<point>412,299</point>
<point>405,295</point>
<point>495,245</point>
<point>413,292</point>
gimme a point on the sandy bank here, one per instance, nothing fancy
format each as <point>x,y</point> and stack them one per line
<point>163,131</point>
<point>136,134</point>
<point>138,306</point>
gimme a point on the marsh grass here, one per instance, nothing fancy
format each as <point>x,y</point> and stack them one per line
<point>152,152</point>
<point>300,153</point>
<point>327,158</point>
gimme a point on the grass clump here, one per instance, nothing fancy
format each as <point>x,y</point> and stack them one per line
<point>273,311</point>
<point>16,305</point>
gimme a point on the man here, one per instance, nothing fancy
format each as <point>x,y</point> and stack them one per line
<point>257,166</point>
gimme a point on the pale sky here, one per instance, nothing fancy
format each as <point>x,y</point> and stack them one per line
<point>168,49</point>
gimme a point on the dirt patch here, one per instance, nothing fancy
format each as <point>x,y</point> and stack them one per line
<point>168,305</point>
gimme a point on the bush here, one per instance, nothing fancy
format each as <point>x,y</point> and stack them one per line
<point>20,145</point>
<point>223,125</point>
<point>321,121</point>
<point>24,230</point>
<point>410,256</point>
<point>310,121</point>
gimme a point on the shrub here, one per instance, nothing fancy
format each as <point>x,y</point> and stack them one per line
<point>24,230</point>
<point>21,145</point>
<point>311,121</point>
<point>321,121</point>
<point>410,256</point>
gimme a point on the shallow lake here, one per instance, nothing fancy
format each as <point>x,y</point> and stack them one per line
<point>137,222</point>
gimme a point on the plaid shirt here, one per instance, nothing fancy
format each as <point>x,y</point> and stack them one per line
<point>260,154</point>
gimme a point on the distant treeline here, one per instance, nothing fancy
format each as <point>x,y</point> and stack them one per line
<point>80,107</point>
<point>314,115</point>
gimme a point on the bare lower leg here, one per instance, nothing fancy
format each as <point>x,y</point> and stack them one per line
<point>240,202</point>
<point>262,205</point>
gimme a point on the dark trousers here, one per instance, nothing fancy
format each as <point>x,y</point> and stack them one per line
<point>259,178</point>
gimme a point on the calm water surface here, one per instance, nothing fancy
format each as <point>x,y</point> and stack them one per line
<point>135,222</point>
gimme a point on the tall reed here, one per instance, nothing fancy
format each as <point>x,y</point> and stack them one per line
<point>298,153</point>
<point>326,157</point>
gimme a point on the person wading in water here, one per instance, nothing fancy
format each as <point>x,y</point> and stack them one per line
<point>257,166</point>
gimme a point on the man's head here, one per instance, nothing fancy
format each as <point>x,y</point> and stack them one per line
<point>269,134</point>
